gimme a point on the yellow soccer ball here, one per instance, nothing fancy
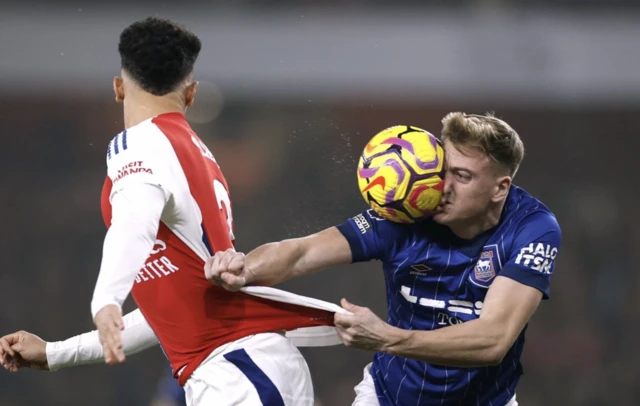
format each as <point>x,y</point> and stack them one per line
<point>401,173</point>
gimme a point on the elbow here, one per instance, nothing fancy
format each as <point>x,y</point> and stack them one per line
<point>497,343</point>
<point>494,355</point>
<point>494,358</point>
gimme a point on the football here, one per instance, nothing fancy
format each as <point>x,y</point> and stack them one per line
<point>401,173</point>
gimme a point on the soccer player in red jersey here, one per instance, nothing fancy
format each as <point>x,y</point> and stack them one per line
<point>167,208</point>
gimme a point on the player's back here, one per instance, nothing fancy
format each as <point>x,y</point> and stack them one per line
<point>190,316</point>
<point>435,279</point>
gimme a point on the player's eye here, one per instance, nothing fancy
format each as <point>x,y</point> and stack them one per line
<point>465,177</point>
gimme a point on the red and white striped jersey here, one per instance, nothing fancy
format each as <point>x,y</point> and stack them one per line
<point>190,316</point>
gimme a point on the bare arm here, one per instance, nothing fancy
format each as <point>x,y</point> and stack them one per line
<point>277,262</point>
<point>507,309</point>
<point>280,261</point>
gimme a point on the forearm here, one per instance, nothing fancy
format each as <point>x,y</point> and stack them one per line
<point>86,348</point>
<point>475,343</point>
<point>277,262</point>
<point>507,308</point>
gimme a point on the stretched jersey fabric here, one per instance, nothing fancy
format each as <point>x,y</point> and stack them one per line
<point>190,316</point>
<point>435,279</point>
<point>138,336</point>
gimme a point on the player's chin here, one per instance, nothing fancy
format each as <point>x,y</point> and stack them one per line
<point>442,217</point>
<point>442,214</point>
<point>439,217</point>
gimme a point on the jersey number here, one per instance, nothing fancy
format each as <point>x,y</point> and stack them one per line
<point>222,196</point>
<point>224,204</point>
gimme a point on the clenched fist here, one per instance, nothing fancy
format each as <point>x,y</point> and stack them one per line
<point>228,269</point>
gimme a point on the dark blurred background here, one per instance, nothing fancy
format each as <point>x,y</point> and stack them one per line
<point>290,93</point>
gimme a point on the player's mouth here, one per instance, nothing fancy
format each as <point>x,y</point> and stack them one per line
<point>442,207</point>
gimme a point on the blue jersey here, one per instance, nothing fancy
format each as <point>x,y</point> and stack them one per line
<point>435,279</point>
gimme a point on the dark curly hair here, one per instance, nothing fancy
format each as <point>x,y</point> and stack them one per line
<point>158,54</point>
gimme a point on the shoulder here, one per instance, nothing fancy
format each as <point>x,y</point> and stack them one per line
<point>370,220</point>
<point>369,224</point>
<point>140,138</point>
<point>371,236</point>
<point>143,141</point>
<point>139,154</point>
<point>529,224</point>
<point>526,213</point>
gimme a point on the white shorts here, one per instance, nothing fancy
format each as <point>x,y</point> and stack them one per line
<point>263,369</point>
<point>366,391</point>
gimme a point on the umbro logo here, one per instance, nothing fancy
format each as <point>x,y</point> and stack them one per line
<point>419,269</point>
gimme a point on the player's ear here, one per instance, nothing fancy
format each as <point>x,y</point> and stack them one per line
<point>190,93</point>
<point>118,89</point>
<point>502,186</point>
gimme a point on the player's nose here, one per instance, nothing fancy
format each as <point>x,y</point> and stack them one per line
<point>448,186</point>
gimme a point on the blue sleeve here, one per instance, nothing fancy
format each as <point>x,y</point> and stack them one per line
<point>371,236</point>
<point>535,247</point>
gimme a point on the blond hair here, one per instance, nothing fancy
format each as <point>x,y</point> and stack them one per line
<point>495,138</point>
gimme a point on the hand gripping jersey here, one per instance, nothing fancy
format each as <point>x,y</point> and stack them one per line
<point>435,279</point>
<point>190,316</point>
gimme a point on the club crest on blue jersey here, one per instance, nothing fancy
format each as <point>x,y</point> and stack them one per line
<point>487,266</point>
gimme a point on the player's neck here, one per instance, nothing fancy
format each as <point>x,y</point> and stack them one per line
<point>474,227</point>
<point>142,106</point>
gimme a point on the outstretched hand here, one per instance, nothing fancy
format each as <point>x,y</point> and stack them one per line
<point>23,350</point>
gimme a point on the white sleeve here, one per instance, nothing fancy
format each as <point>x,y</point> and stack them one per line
<point>136,212</point>
<point>86,348</point>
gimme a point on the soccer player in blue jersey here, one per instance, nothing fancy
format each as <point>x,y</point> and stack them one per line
<point>461,286</point>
